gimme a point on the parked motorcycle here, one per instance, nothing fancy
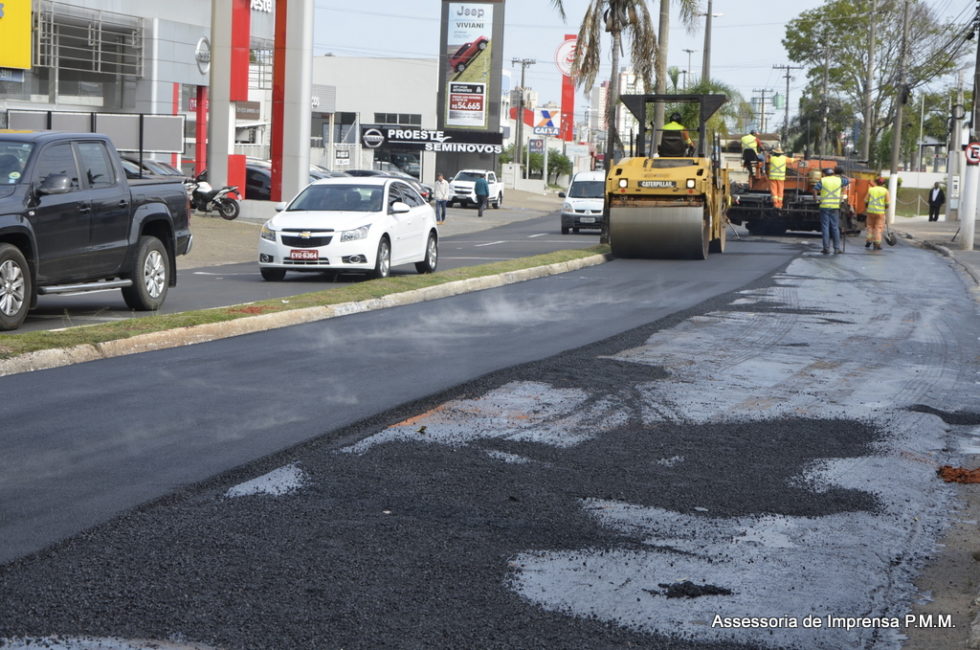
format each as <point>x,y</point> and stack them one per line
<point>207,199</point>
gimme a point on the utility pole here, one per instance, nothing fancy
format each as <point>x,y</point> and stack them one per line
<point>661,65</point>
<point>519,142</point>
<point>869,80</point>
<point>762,108</point>
<point>919,156</point>
<point>824,105</point>
<point>972,175</point>
<point>954,155</point>
<point>786,68</point>
<point>903,93</point>
<point>706,59</point>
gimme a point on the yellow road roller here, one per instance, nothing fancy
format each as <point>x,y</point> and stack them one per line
<point>672,203</point>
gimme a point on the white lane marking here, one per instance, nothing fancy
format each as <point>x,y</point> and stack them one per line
<point>540,234</point>
<point>491,243</point>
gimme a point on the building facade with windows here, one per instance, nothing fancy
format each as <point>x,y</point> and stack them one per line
<point>376,93</point>
<point>151,57</point>
<point>126,56</point>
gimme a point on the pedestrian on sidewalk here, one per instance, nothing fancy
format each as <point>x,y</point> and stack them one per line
<point>440,192</point>
<point>482,190</point>
<point>936,200</point>
<point>831,190</point>
<point>877,205</point>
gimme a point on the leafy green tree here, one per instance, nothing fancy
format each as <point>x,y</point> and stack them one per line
<point>558,164</point>
<point>832,41</point>
<point>730,118</point>
<point>808,126</point>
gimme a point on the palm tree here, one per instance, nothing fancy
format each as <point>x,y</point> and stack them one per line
<point>615,17</point>
<point>689,9</point>
<point>727,120</point>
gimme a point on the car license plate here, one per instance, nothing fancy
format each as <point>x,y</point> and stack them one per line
<point>658,184</point>
<point>304,254</point>
<point>587,219</point>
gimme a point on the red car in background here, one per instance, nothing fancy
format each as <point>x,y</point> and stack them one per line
<point>464,55</point>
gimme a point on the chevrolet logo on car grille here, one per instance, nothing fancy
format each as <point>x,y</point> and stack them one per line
<point>306,234</point>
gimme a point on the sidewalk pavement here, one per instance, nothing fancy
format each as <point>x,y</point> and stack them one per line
<point>944,237</point>
<point>217,241</point>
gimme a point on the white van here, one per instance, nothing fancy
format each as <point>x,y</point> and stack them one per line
<point>583,202</point>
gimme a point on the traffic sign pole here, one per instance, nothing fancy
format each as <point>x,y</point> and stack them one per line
<point>972,151</point>
<point>968,211</point>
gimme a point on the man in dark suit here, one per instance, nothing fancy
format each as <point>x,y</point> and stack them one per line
<point>936,200</point>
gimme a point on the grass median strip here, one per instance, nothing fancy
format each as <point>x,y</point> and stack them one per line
<point>13,345</point>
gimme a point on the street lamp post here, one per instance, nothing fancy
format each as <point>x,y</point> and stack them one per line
<point>687,73</point>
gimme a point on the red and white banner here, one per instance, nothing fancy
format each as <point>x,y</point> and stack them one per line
<point>564,57</point>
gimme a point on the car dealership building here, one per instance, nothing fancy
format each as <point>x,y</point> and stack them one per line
<point>150,57</point>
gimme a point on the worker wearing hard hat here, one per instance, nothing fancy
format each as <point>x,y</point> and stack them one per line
<point>877,204</point>
<point>675,140</point>
<point>777,175</point>
<point>750,151</point>
<point>831,191</point>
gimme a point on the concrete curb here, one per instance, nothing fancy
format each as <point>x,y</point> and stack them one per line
<point>945,251</point>
<point>56,358</point>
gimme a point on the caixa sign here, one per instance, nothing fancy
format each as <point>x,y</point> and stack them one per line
<point>265,6</point>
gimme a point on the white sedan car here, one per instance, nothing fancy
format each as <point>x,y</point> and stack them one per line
<point>350,224</point>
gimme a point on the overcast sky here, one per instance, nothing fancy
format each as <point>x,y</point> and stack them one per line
<point>746,39</point>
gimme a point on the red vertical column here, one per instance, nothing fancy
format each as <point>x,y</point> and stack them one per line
<point>175,159</point>
<point>241,36</point>
<point>201,131</point>
<point>567,129</point>
<point>278,99</point>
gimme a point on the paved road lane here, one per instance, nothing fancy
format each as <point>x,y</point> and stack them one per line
<point>130,429</point>
<point>631,467</point>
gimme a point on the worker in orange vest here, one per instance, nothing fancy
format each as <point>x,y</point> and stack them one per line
<point>777,175</point>
<point>877,204</point>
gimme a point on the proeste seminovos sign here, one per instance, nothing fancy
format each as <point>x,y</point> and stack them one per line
<point>468,61</point>
<point>374,136</point>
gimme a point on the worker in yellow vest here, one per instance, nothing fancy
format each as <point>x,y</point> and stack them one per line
<point>777,175</point>
<point>831,191</point>
<point>750,152</point>
<point>877,205</point>
<point>675,140</point>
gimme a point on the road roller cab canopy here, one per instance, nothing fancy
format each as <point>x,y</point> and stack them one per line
<point>708,105</point>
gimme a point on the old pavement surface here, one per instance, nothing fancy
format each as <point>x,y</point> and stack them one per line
<point>539,422</point>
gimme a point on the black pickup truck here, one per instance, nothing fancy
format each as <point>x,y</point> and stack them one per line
<point>70,221</point>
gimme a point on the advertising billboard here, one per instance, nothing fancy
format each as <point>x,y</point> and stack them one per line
<point>15,34</point>
<point>469,58</point>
